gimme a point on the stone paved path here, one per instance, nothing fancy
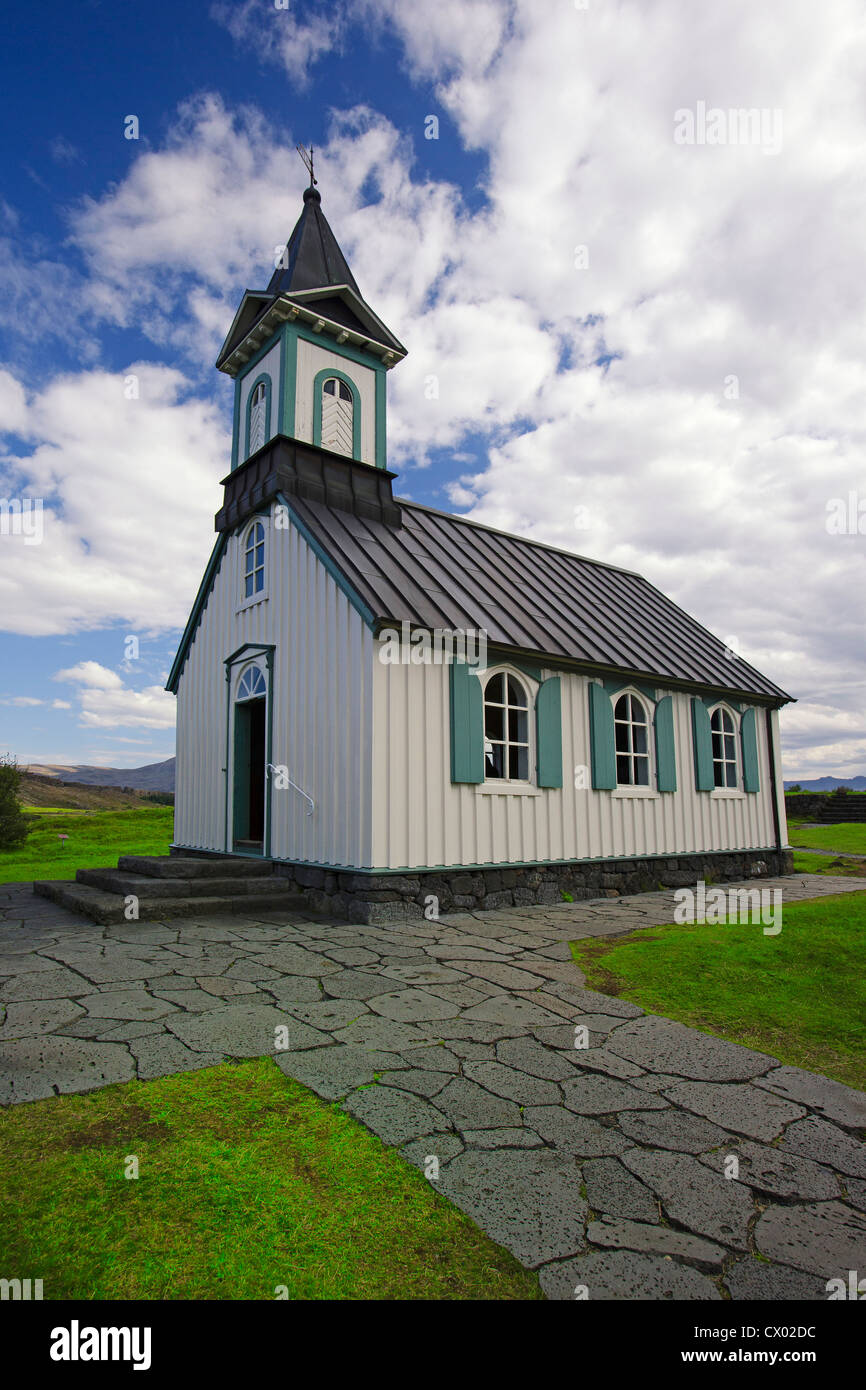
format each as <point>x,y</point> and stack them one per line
<point>603,1166</point>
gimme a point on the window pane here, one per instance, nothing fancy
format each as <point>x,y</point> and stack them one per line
<point>640,738</point>
<point>248,587</point>
<point>719,774</point>
<point>345,393</point>
<point>517,726</point>
<point>623,769</point>
<point>495,760</point>
<point>516,693</point>
<point>622,739</point>
<point>494,690</point>
<point>260,581</point>
<point>518,764</point>
<point>331,386</point>
<point>621,708</point>
<point>716,721</point>
<point>641,772</point>
<point>717,745</point>
<point>732,775</point>
<point>494,721</point>
<point>729,748</point>
<point>260,556</point>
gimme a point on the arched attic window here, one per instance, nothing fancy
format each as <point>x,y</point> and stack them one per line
<point>254,560</point>
<point>725,771</point>
<point>631,736</point>
<point>338,416</point>
<point>506,728</point>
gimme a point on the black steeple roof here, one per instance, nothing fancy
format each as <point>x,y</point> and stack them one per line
<point>314,257</point>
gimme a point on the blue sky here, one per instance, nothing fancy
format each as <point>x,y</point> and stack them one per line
<point>588,405</point>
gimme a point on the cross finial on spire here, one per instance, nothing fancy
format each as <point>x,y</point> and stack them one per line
<point>307,157</point>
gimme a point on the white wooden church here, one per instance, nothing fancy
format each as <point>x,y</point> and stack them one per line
<point>596,737</point>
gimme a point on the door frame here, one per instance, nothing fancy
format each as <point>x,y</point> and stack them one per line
<point>234,664</point>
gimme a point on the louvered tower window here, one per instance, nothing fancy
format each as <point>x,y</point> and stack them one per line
<point>257,418</point>
<point>337,416</point>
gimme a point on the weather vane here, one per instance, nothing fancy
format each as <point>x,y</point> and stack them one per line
<point>307,157</point>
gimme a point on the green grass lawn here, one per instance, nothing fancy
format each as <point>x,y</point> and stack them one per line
<point>805,863</point>
<point>247,1181</point>
<point>801,995</point>
<point>96,839</point>
<point>848,837</point>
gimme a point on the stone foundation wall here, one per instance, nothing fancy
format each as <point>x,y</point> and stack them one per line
<point>376,897</point>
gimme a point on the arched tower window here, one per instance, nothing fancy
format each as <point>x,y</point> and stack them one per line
<point>338,409</point>
<point>254,560</point>
<point>724,748</point>
<point>631,732</point>
<point>506,728</point>
<point>258,412</point>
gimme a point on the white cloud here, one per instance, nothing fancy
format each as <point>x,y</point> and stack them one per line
<point>274,34</point>
<point>129,489</point>
<point>106,703</point>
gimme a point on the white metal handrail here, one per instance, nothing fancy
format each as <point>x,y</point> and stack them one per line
<point>272,767</point>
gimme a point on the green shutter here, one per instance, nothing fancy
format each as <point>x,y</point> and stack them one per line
<point>601,737</point>
<point>548,732</point>
<point>467,724</point>
<point>666,762</point>
<point>703,742</point>
<point>749,737</point>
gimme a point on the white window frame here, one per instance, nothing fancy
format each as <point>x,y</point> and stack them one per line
<point>729,793</point>
<point>505,786</point>
<point>631,790</point>
<point>261,596</point>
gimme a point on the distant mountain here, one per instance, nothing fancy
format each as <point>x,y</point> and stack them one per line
<point>829,784</point>
<point>154,777</point>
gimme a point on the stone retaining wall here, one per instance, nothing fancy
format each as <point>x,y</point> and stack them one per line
<point>376,897</point>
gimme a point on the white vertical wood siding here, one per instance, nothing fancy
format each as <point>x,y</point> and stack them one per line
<point>321,708</point>
<point>420,818</point>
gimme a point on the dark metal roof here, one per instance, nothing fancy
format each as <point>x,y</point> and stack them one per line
<point>314,257</point>
<point>439,570</point>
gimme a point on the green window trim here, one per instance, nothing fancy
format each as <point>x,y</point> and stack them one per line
<point>262,379</point>
<point>749,744</point>
<point>318,380</point>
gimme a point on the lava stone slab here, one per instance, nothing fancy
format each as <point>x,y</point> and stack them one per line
<point>469,1106</point>
<point>832,1100</point>
<point>624,1276</point>
<point>755,1279</point>
<point>657,1240</point>
<point>527,1200</point>
<point>818,1139</point>
<point>591,1094</point>
<point>826,1238</point>
<point>413,1006</point>
<point>574,1134</point>
<point>56,982</point>
<point>612,1189</point>
<point>512,1085</point>
<point>332,1072</point>
<point>769,1169</point>
<point>396,1116</point>
<point>703,1202</point>
<point>35,1068</point>
<point>741,1108</point>
<point>672,1129</point>
<point>243,1030</point>
<point>663,1045</point>
<point>528,1055</point>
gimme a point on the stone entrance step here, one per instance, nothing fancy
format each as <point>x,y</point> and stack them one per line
<point>173,886</point>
